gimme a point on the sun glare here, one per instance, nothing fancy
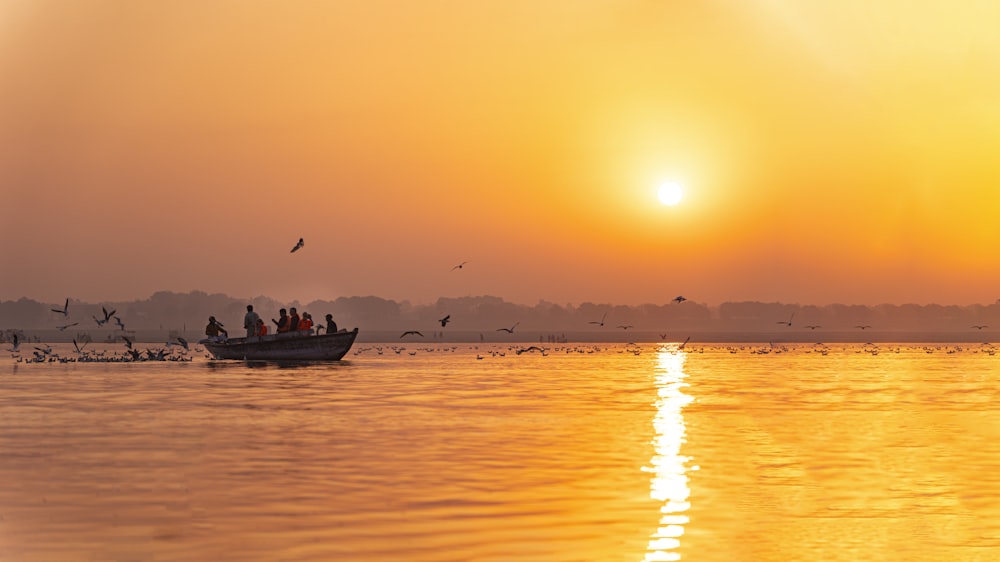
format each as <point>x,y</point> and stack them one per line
<point>670,193</point>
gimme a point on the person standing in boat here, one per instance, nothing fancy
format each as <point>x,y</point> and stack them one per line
<point>293,320</point>
<point>306,323</point>
<point>331,326</point>
<point>214,330</point>
<point>250,321</point>
<point>282,321</point>
<point>261,327</point>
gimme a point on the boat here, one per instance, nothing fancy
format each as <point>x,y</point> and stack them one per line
<point>287,346</point>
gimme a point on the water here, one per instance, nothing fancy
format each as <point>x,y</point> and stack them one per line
<point>591,452</point>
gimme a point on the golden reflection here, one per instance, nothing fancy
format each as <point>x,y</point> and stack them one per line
<point>670,482</point>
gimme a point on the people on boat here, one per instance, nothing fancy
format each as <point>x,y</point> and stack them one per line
<point>250,321</point>
<point>306,323</point>
<point>261,327</point>
<point>293,320</point>
<point>282,321</point>
<point>214,330</point>
<point>331,326</point>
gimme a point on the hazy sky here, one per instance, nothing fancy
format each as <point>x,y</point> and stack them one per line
<point>829,151</point>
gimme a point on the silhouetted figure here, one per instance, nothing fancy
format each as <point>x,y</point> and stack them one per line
<point>214,329</point>
<point>331,326</point>
<point>298,245</point>
<point>250,321</point>
<point>282,321</point>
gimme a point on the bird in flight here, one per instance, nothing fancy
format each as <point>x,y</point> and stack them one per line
<point>509,330</point>
<point>119,323</point>
<point>863,327</point>
<point>459,266</point>
<point>686,340</point>
<point>65,309</point>
<point>625,327</point>
<point>298,245</point>
<point>813,326</point>
<point>78,348</point>
<point>410,333</point>
<point>601,323</point>
<point>63,328</point>
<point>444,321</point>
<point>663,336</point>
<point>788,322</point>
<point>980,326</point>
<point>679,299</point>
<point>128,342</point>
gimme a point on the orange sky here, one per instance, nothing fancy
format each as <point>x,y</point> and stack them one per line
<point>831,152</point>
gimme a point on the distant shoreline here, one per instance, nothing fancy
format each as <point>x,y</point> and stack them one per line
<point>556,337</point>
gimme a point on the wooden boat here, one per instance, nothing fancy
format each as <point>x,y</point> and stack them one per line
<point>287,346</point>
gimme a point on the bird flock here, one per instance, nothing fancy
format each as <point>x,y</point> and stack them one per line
<point>177,349</point>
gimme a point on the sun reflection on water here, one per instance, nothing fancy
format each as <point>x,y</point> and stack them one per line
<point>670,482</point>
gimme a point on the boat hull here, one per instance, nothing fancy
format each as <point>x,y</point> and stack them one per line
<point>295,346</point>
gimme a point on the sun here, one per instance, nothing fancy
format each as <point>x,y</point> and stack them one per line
<point>671,193</point>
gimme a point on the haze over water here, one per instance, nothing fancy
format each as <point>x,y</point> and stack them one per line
<point>461,452</point>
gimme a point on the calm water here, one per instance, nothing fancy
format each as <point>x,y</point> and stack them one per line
<point>592,452</point>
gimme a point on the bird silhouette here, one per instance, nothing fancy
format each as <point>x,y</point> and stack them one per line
<point>813,326</point>
<point>509,330</point>
<point>298,245</point>
<point>65,309</point>
<point>863,327</point>
<point>119,323</point>
<point>63,328</point>
<point>78,348</point>
<point>601,323</point>
<point>128,342</point>
<point>686,340</point>
<point>679,299</point>
<point>788,322</point>
<point>108,315</point>
<point>409,333</point>
<point>625,327</point>
<point>663,336</point>
<point>459,266</point>
<point>444,321</point>
<point>980,326</point>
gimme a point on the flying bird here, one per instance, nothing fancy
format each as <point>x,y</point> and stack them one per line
<point>459,266</point>
<point>813,326</point>
<point>788,322</point>
<point>108,315</point>
<point>625,327</point>
<point>98,320</point>
<point>863,327</point>
<point>508,330</point>
<point>183,342</point>
<point>119,323</point>
<point>63,328</point>
<point>679,299</point>
<point>65,309</point>
<point>444,321</point>
<point>410,332</point>
<point>686,340</point>
<point>128,342</point>
<point>601,323</point>
<point>980,326</point>
<point>298,245</point>
<point>78,348</point>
